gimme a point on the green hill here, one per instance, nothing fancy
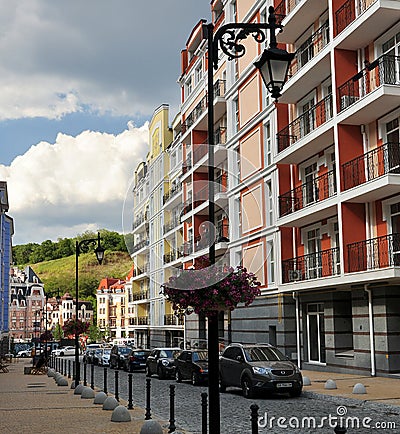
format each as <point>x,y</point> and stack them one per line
<point>60,273</point>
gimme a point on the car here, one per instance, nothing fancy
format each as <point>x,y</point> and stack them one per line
<point>118,355</point>
<point>64,351</point>
<point>258,367</point>
<point>136,359</point>
<point>24,353</point>
<point>192,365</point>
<point>105,357</point>
<point>161,361</point>
<point>89,352</point>
<point>98,354</point>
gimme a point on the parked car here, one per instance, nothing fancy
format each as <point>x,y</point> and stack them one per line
<point>136,359</point>
<point>118,355</point>
<point>161,361</point>
<point>89,352</point>
<point>64,351</point>
<point>258,367</point>
<point>98,354</point>
<point>25,353</point>
<point>105,358</point>
<point>192,365</point>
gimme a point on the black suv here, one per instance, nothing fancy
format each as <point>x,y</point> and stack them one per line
<point>192,365</point>
<point>118,355</point>
<point>161,361</point>
<point>258,367</point>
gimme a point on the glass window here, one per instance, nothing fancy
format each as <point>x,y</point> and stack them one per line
<point>260,354</point>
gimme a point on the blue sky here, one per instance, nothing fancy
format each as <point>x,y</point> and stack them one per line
<point>79,80</point>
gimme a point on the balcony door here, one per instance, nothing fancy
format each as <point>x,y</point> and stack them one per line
<point>316,333</point>
<point>310,189</point>
<point>395,229</point>
<point>393,147</point>
<point>313,254</point>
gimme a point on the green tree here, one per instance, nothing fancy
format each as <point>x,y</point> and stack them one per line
<point>65,247</point>
<point>58,332</point>
<point>94,333</point>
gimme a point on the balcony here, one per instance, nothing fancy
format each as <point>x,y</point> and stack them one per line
<point>142,295</point>
<point>200,151</point>
<point>374,253</point>
<point>142,320</point>
<point>380,168</point>
<point>222,236</point>
<point>358,22</point>
<point>372,91</point>
<point>173,256</point>
<point>174,191</point>
<point>144,269</point>
<point>140,245</point>
<point>187,164</point>
<point>313,119</point>
<point>195,114</point>
<point>174,223</point>
<point>172,319</point>
<point>307,194</point>
<point>187,249</point>
<point>325,263</point>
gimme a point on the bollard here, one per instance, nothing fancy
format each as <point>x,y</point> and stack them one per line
<point>254,418</point>
<point>172,426</point>
<point>73,372</point>
<point>204,413</point>
<point>147,415</point>
<point>92,376</point>
<point>130,402</point>
<point>84,374</point>
<point>69,368</point>
<point>116,373</point>
<point>105,381</point>
<point>340,430</point>
<point>64,362</point>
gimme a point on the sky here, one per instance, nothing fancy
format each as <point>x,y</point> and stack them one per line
<point>79,81</point>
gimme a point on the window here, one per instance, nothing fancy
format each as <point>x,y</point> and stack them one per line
<point>270,262</point>
<point>198,73</point>
<point>270,204</point>
<point>267,145</point>
<point>235,122</point>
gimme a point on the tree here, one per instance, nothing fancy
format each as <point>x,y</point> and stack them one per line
<point>58,333</point>
<point>94,333</point>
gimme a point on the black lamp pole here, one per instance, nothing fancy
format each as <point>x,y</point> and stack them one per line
<point>272,61</point>
<point>83,246</point>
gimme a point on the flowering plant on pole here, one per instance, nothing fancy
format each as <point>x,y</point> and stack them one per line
<point>211,289</point>
<point>72,326</point>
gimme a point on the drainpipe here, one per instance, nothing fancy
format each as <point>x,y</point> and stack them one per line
<point>371,330</point>
<point>296,298</point>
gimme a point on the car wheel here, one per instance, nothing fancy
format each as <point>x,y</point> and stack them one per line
<point>160,373</point>
<point>195,379</point>
<point>61,354</point>
<point>247,387</point>
<point>295,393</point>
<point>148,372</point>
<point>178,376</point>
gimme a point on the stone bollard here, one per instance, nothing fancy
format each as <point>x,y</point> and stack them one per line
<point>110,403</point>
<point>359,389</point>
<point>100,398</point>
<point>78,389</point>
<point>151,427</point>
<point>306,381</point>
<point>62,382</point>
<point>87,393</point>
<point>330,384</point>
<point>120,414</point>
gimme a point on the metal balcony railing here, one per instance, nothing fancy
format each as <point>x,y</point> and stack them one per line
<point>142,295</point>
<point>195,114</point>
<point>310,48</point>
<point>308,193</point>
<point>220,136</point>
<point>384,70</point>
<point>172,256</point>
<point>172,319</point>
<point>374,253</point>
<point>175,189</point>
<point>222,236</point>
<point>139,245</point>
<point>186,249</point>
<point>304,124</point>
<point>378,162</point>
<point>187,164</point>
<point>324,263</point>
<point>284,8</point>
<point>349,11</point>
<point>142,320</point>
<point>143,269</point>
<point>219,88</point>
<point>172,224</point>
<point>138,221</point>
<point>200,151</point>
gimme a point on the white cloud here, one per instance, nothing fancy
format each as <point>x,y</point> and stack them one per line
<point>77,183</point>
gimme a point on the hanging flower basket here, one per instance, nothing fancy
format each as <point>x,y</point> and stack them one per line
<point>72,326</point>
<point>211,289</point>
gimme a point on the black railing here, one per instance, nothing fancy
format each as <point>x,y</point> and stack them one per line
<point>175,189</point>
<point>187,164</point>
<point>308,193</point>
<point>384,70</point>
<point>375,253</point>
<point>195,114</point>
<point>219,88</point>
<point>142,320</point>
<point>142,295</point>
<point>284,8</point>
<point>139,245</point>
<point>316,265</point>
<point>138,271</point>
<point>172,256</point>
<point>220,136</point>
<point>304,124</point>
<point>348,12</point>
<point>175,222</point>
<point>373,164</point>
<point>172,319</point>
<point>310,48</point>
<point>138,220</point>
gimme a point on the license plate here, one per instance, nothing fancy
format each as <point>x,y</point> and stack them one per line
<point>284,385</point>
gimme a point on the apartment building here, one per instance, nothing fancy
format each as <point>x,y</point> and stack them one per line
<point>6,233</point>
<point>307,189</point>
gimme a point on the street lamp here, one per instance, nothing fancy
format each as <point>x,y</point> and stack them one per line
<point>83,246</point>
<point>273,65</point>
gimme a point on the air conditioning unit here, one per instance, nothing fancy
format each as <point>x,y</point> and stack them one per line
<point>294,275</point>
<point>347,101</point>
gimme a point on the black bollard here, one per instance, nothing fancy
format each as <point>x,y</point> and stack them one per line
<point>172,426</point>
<point>254,418</point>
<point>105,381</point>
<point>64,366</point>
<point>69,368</point>
<point>147,415</point>
<point>73,372</point>
<point>84,374</point>
<point>204,413</point>
<point>340,430</point>
<point>92,376</point>
<point>130,392</point>
<point>116,373</point>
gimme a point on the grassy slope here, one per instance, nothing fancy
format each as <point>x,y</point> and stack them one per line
<point>60,273</point>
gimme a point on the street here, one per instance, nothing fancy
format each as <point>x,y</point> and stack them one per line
<point>278,414</point>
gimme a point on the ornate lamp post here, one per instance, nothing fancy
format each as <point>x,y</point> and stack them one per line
<point>273,65</point>
<point>83,247</point>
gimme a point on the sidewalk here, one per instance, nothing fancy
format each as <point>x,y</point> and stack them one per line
<point>379,389</point>
<point>35,404</point>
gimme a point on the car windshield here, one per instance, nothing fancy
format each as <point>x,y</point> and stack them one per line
<point>263,354</point>
<point>168,353</point>
<point>107,351</point>
<point>125,350</point>
<point>200,355</point>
